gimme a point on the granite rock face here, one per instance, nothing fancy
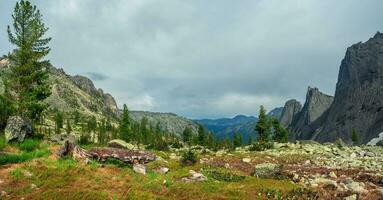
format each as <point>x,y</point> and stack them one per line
<point>315,105</point>
<point>358,102</point>
<point>289,112</point>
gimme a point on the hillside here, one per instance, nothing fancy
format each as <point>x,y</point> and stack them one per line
<point>169,122</point>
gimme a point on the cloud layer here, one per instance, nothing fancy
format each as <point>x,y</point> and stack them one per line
<point>203,58</point>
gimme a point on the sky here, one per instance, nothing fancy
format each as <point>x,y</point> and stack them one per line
<point>204,59</point>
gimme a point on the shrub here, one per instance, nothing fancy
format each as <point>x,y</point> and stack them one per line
<point>224,175</point>
<point>189,158</point>
<point>84,139</point>
<point>2,143</point>
<point>29,145</point>
<point>261,146</point>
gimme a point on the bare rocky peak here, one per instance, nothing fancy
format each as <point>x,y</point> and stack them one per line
<point>315,105</point>
<point>290,110</point>
<point>358,102</point>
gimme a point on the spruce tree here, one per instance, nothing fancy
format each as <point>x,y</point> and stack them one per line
<point>250,140</point>
<point>68,127</point>
<point>238,140</point>
<point>280,133</point>
<point>124,128</point>
<point>201,135</point>
<point>59,122</point>
<point>263,128</point>
<point>187,135</point>
<point>27,79</point>
<point>354,137</point>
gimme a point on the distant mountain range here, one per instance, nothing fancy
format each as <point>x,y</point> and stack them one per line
<point>226,127</point>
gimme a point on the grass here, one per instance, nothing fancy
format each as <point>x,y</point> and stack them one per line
<point>29,145</point>
<point>23,156</point>
<point>68,179</point>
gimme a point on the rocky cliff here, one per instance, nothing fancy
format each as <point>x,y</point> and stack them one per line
<point>315,105</point>
<point>358,102</point>
<point>289,112</point>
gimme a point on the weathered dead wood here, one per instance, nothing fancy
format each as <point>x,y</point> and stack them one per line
<point>103,153</point>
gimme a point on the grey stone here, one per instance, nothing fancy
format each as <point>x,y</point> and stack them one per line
<point>139,168</point>
<point>17,129</point>
<point>120,144</point>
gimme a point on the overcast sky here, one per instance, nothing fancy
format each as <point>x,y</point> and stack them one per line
<point>204,59</point>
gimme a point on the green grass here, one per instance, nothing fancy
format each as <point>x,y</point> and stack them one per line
<point>29,145</point>
<point>24,156</point>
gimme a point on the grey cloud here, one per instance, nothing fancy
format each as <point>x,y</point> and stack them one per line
<point>97,76</point>
<point>205,58</point>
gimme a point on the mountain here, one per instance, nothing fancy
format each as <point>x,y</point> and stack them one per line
<point>358,101</point>
<point>289,112</point>
<point>275,113</point>
<point>315,105</point>
<point>78,93</point>
<point>226,127</point>
<point>169,122</point>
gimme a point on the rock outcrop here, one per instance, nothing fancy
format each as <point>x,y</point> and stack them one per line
<point>358,102</point>
<point>315,105</point>
<point>289,112</point>
<point>17,129</point>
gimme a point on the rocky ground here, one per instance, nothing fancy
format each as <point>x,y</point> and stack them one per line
<point>305,170</point>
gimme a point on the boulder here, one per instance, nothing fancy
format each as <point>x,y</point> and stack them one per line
<point>120,144</point>
<point>17,129</point>
<point>139,168</point>
<point>61,138</point>
<point>162,170</point>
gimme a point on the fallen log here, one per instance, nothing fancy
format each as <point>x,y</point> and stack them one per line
<point>102,154</point>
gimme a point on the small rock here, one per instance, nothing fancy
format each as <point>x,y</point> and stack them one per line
<point>33,186</point>
<point>307,162</point>
<point>1,182</point>
<point>27,173</point>
<point>332,175</point>
<point>197,176</point>
<point>296,178</point>
<point>356,187</point>
<point>3,193</point>
<point>246,160</point>
<point>203,160</point>
<point>352,197</point>
<point>353,155</point>
<point>139,168</point>
<point>227,165</point>
<point>162,170</point>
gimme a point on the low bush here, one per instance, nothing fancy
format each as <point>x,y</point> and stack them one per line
<point>189,158</point>
<point>261,146</point>
<point>2,143</point>
<point>224,175</point>
<point>84,139</point>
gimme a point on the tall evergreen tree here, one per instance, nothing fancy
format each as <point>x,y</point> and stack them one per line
<point>27,79</point>
<point>124,128</point>
<point>144,130</point>
<point>68,127</point>
<point>250,140</point>
<point>201,135</point>
<point>59,122</point>
<point>238,140</point>
<point>280,133</point>
<point>262,127</point>
<point>187,135</point>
